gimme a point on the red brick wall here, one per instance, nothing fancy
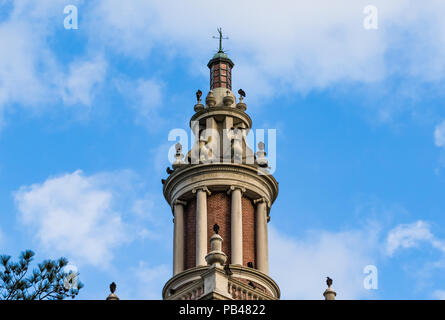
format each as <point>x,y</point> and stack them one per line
<point>190,234</point>
<point>248,232</point>
<point>218,211</point>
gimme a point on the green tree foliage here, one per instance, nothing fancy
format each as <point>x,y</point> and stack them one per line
<point>47,282</point>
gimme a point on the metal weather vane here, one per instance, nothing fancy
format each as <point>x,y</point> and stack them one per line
<point>220,39</point>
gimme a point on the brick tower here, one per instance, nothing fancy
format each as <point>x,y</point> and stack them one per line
<point>220,193</point>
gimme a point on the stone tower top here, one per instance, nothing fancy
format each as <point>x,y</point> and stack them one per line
<point>220,183</point>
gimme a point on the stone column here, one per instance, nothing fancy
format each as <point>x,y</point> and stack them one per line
<point>329,294</point>
<point>201,225</point>
<point>262,252</point>
<point>178,237</point>
<point>236,225</point>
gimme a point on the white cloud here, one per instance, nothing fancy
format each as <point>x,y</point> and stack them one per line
<point>145,96</point>
<point>278,47</point>
<point>148,92</point>
<point>26,63</point>
<point>123,26</point>
<point>144,207</point>
<point>406,236</point>
<point>150,280</point>
<point>301,45</point>
<point>19,59</point>
<point>439,134</point>
<point>161,155</point>
<point>439,294</point>
<point>31,76</point>
<point>301,265</point>
<point>142,281</point>
<point>83,78</point>
<point>145,210</point>
<point>74,215</point>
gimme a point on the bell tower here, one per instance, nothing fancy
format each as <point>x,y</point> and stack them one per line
<point>221,195</point>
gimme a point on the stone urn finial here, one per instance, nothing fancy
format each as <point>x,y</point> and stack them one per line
<point>210,99</point>
<point>198,106</point>
<point>241,105</point>
<point>329,293</point>
<point>260,156</point>
<point>178,156</point>
<point>112,295</point>
<point>228,100</point>
<point>216,255</point>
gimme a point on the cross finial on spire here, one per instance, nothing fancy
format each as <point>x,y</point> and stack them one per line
<point>220,39</point>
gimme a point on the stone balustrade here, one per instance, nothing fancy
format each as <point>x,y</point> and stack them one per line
<point>240,291</point>
<point>190,292</point>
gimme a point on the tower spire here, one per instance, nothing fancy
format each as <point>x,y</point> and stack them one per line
<point>220,39</point>
<point>220,67</point>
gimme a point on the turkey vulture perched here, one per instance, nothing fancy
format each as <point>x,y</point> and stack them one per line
<point>242,93</point>
<point>198,95</point>
<point>329,282</point>
<point>216,228</point>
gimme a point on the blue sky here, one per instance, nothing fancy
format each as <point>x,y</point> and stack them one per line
<point>360,119</point>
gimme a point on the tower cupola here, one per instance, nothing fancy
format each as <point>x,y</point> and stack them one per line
<point>220,68</point>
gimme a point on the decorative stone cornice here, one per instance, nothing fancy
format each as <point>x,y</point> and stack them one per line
<point>233,188</point>
<point>218,177</point>
<point>222,111</point>
<point>178,201</point>
<point>205,189</point>
<point>259,200</point>
<point>262,200</point>
<point>174,203</point>
<point>192,275</point>
<point>183,278</point>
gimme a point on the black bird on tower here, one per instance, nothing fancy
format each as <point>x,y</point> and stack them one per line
<point>198,95</point>
<point>329,282</point>
<point>242,93</point>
